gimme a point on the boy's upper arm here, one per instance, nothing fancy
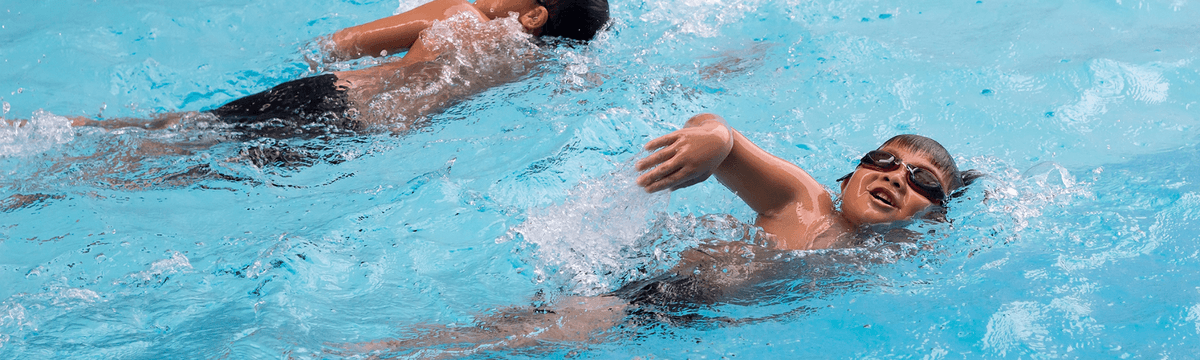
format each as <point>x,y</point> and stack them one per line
<point>391,34</point>
<point>394,33</point>
<point>765,182</point>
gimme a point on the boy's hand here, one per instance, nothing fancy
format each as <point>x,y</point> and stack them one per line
<point>686,156</point>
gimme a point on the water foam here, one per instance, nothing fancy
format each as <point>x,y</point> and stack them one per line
<point>586,238</point>
<point>473,56</point>
<point>42,132</point>
<point>159,271</point>
<point>12,318</point>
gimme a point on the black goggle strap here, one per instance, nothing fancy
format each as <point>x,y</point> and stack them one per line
<point>968,177</point>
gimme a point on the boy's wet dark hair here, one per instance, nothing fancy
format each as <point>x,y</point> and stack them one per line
<point>938,156</point>
<point>574,19</point>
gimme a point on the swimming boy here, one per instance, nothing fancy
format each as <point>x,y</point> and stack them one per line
<point>907,175</point>
<point>351,101</point>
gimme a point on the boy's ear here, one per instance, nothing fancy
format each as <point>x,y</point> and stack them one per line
<point>534,19</point>
<point>845,180</point>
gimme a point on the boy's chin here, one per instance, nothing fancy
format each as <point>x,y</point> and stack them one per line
<point>871,218</point>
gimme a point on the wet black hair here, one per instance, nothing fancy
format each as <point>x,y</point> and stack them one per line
<point>574,19</point>
<point>938,156</point>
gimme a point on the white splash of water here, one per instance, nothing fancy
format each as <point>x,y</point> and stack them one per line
<point>703,18</point>
<point>473,56</point>
<point>178,262</point>
<point>585,237</point>
<point>577,70</point>
<point>40,133</point>
<point>12,318</point>
<point>75,295</point>
<point>1014,200</point>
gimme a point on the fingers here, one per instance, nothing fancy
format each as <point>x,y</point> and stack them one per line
<point>668,182</point>
<point>655,158</point>
<point>661,141</point>
<point>665,169</point>
<point>657,174</point>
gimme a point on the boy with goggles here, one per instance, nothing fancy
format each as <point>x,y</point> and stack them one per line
<point>905,176</point>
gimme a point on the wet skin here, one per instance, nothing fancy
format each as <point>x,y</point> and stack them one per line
<point>390,35</point>
<point>791,205</point>
<point>872,197</point>
<point>401,32</point>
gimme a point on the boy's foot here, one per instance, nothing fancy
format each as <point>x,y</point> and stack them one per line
<point>77,121</point>
<point>13,122</point>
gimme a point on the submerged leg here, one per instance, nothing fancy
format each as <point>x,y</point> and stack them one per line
<point>572,320</point>
<point>157,122</point>
<point>13,122</point>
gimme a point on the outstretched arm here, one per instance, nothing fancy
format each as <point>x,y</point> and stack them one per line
<point>708,146</point>
<point>395,33</point>
<point>686,156</point>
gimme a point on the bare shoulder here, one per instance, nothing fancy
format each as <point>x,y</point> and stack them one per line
<point>799,224</point>
<point>444,9</point>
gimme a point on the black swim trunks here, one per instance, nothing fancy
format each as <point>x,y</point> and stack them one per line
<point>305,108</point>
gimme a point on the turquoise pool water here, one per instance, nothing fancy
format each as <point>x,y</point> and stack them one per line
<point>1082,242</point>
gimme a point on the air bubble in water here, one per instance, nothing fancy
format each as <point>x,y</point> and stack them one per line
<point>7,107</point>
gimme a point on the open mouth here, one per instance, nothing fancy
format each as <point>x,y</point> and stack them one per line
<point>883,196</point>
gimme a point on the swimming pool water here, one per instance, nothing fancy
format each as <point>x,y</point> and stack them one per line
<point>1082,242</point>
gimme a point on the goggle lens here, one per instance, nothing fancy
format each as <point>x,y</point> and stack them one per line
<point>923,181</point>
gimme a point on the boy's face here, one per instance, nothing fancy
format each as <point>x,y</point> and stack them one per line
<point>500,8</point>
<point>876,196</point>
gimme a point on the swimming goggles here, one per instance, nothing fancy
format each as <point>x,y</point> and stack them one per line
<point>922,181</point>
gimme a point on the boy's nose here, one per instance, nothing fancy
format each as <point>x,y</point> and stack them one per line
<point>895,177</point>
